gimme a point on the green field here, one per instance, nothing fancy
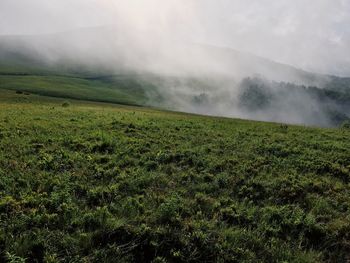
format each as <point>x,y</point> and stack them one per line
<point>93,182</point>
<point>75,83</point>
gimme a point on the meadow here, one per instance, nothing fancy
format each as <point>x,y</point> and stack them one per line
<point>113,90</point>
<point>97,182</point>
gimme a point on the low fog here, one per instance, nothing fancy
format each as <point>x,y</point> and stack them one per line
<point>203,56</point>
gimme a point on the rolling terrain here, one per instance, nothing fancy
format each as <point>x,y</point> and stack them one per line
<point>87,181</point>
<point>97,162</point>
<point>96,64</point>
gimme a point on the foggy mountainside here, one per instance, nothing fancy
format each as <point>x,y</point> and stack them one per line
<point>192,78</point>
<point>169,131</point>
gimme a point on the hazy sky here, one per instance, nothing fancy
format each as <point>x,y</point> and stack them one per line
<point>313,34</point>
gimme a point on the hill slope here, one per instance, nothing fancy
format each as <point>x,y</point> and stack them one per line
<point>101,65</point>
<point>95,182</point>
<point>104,49</point>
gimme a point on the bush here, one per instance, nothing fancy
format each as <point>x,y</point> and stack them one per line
<point>65,104</point>
<point>14,259</point>
<point>345,125</point>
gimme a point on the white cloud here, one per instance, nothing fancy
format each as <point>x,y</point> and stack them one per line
<point>311,34</point>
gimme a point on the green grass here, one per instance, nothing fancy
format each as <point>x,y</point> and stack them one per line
<point>57,82</point>
<point>99,182</point>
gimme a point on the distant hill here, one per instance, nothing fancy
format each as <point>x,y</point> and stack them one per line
<point>103,64</point>
<point>103,49</point>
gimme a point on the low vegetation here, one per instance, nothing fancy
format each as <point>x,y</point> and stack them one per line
<point>93,182</point>
<point>109,89</point>
<point>324,107</point>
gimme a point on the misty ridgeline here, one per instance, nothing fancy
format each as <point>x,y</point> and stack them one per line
<point>191,78</point>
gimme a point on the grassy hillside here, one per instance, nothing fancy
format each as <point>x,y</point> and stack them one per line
<point>115,90</point>
<point>87,182</point>
<point>257,98</point>
<point>270,97</point>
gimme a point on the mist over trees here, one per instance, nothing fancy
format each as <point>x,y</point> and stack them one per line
<point>187,77</point>
<point>257,98</point>
<point>259,95</point>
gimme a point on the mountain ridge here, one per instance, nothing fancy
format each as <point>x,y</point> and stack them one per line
<point>98,65</point>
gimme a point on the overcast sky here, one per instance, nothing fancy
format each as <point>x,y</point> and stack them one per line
<point>313,34</point>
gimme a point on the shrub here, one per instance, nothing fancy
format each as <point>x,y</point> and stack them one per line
<point>65,104</point>
<point>14,259</point>
<point>345,125</point>
<point>170,210</point>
